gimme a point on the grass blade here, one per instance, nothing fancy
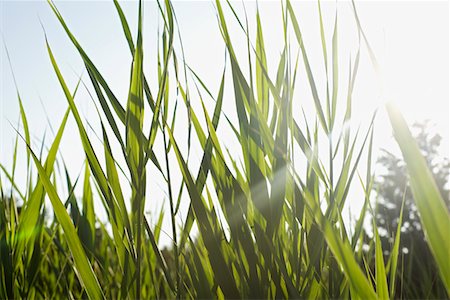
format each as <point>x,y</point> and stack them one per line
<point>433,213</point>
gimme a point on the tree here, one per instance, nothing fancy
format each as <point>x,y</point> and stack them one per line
<point>416,261</point>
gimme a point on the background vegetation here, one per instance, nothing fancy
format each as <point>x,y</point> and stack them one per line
<point>270,222</point>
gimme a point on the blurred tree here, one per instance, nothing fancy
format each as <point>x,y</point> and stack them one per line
<point>391,186</point>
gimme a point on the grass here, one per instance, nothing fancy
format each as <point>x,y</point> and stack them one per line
<point>266,228</point>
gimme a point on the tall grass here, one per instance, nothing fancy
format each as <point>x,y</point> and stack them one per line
<point>266,227</point>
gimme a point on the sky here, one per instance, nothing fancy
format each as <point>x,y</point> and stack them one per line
<point>410,40</point>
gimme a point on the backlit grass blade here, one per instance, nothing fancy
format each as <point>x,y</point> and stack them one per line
<point>163,78</point>
<point>127,33</point>
<point>135,107</point>
<point>433,213</point>
<point>113,177</point>
<point>88,208</point>
<point>335,73</point>
<point>217,260</point>
<point>355,165</point>
<point>263,89</point>
<point>95,165</point>
<point>125,27</point>
<point>135,146</point>
<point>25,125</point>
<point>307,66</point>
<point>366,40</point>
<point>325,59</point>
<point>115,214</point>
<point>380,271</point>
<point>393,258</point>
<point>13,183</point>
<point>30,212</point>
<point>23,116</point>
<point>205,162</point>
<point>342,251</point>
<point>82,265</point>
<point>90,66</point>
<point>159,257</point>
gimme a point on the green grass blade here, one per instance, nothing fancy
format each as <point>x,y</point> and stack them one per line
<point>82,265</point>
<point>216,256</point>
<point>307,67</point>
<point>30,213</point>
<point>205,162</point>
<point>393,259</point>
<point>341,250</point>
<point>90,66</point>
<point>433,213</point>
<point>261,84</point>
<point>380,271</point>
<point>335,73</point>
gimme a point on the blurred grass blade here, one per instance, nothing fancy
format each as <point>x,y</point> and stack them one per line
<point>433,213</point>
<point>307,67</point>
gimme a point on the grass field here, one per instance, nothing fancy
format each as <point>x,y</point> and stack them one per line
<point>264,227</point>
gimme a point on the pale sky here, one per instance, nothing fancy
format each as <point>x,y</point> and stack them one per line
<point>409,38</point>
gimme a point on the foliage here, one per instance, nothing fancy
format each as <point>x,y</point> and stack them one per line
<point>267,228</point>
